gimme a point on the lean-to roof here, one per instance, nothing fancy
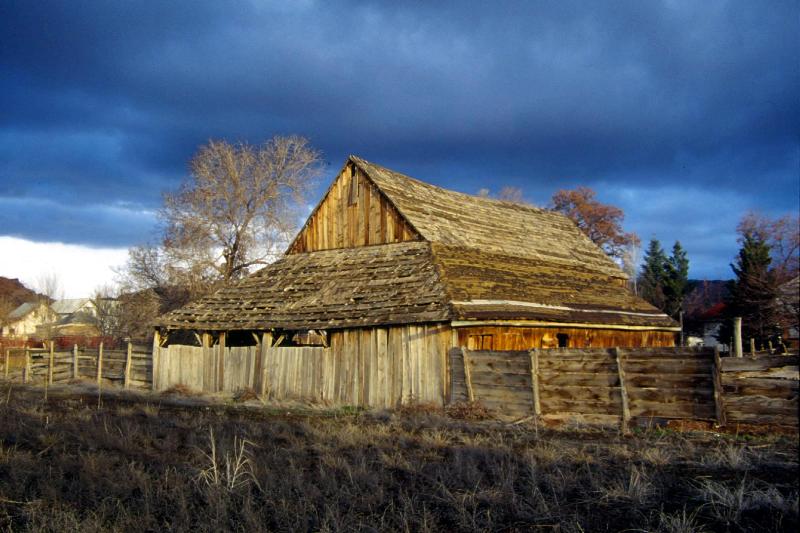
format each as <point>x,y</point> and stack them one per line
<point>413,282</point>
<point>349,287</point>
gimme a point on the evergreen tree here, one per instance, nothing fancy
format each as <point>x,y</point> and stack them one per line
<point>753,293</point>
<point>651,279</point>
<point>675,284</point>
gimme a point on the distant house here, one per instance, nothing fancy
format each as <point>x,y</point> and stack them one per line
<point>25,319</point>
<point>705,312</point>
<point>74,317</point>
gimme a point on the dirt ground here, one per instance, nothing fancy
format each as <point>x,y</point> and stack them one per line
<point>76,460</point>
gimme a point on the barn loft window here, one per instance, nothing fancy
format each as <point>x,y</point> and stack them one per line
<point>353,196</point>
<point>563,340</point>
<point>480,342</point>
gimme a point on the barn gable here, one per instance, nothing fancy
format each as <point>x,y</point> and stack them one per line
<point>354,212</point>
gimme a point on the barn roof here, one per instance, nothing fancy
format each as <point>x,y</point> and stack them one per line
<point>388,284</point>
<point>479,260</point>
<point>462,220</point>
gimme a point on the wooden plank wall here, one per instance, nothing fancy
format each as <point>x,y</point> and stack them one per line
<point>338,223</point>
<point>39,369</point>
<point>376,367</point>
<point>504,338</point>
<point>587,385</point>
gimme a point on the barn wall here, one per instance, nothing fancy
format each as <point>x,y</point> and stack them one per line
<point>525,338</point>
<point>338,223</point>
<point>376,367</point>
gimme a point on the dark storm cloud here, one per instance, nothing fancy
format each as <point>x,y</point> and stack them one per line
<point>105,102</point>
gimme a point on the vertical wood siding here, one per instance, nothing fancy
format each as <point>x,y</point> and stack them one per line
<point>376,367</point>
<point>339,223</point>
<point>525,338</point>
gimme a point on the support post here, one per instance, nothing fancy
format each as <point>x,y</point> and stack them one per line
<point>467,374</point>
<point>50,363</point>
<point>8,362</point>
<point>221,383</point>
<point>534,355</point>
<point>737,337</point>
<point>75,361</point>
<point>26,377</point>
<point>752,347</point>
<point>719,403</point>
<point>623,391</point>
<point>263,353</point>
<point>128,363</point>
<point>99,363</point>
<point>156,357</point>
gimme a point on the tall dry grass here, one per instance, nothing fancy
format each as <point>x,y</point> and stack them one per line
<point>68,465</point>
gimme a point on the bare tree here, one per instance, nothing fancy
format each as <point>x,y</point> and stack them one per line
<point>106,311</point>
<point>237,209</point>
<point>7,305</point>
<point>50,290</point>
<point>507,194</point>
<point>238,206</point>
<point>781,235</point>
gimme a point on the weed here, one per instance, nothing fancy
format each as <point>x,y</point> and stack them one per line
<point>468,411</point>
<point>231,471</point>
<point>179,389</point>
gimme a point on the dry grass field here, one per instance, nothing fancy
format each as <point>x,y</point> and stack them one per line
<point>142,462</point>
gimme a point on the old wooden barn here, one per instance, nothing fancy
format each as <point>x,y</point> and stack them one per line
<point>387,274</point>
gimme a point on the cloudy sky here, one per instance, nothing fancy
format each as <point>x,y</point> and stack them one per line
<point>685,114</point>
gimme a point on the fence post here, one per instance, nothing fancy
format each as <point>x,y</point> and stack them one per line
<point>99,363</point>
<point>75,374</point>
<point>128,362</point>
<point>8,362</point>
<point>534,355</point>
<point>156,358</point>
<point>221,346</point>
<point>626,412</point>
<point>737,336</point>
<point>26,377</point>
<point>266,346</point>
<point>719,400</point>
<point>50,364</point>
<point>467,375</point>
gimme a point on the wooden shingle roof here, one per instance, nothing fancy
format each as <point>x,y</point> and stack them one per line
<point>455,219</point>
<point>371,285</point>
<point>478,260</point>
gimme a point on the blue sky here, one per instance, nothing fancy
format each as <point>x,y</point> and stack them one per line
<point>685,114</point>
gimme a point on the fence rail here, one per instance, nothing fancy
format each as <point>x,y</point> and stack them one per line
<point>620,386</point>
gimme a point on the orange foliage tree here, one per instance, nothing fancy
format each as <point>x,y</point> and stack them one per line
<point>602,223</point>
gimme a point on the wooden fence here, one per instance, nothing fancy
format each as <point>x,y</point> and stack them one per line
<point>621,386</point>
<point>129,367</point>
<point>588,385</point>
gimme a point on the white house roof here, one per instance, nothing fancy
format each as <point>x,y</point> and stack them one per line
<point>69,306</point>
<point>22,310</point>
